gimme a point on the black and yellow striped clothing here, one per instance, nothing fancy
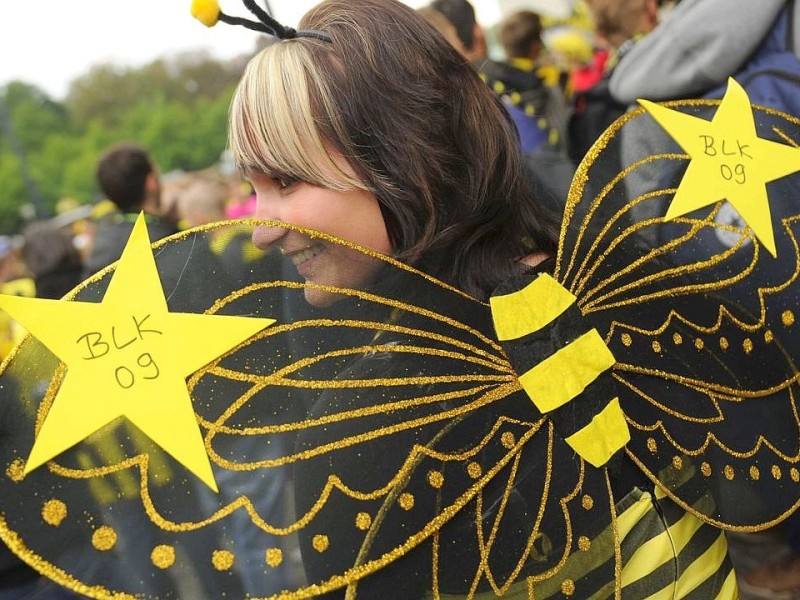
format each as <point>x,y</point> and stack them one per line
<point>666,554</point>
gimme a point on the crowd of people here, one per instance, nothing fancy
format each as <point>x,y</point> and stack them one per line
<point>462,169</point>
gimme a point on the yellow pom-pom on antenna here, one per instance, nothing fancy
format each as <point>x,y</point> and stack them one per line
<point>206,11</point>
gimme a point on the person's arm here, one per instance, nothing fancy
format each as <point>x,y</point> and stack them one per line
<point>695,48</point>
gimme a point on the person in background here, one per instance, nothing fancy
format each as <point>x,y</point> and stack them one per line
<point>127,176</point>
<point>545,158</point>
<point>618,26</point>
<point>52,259</point>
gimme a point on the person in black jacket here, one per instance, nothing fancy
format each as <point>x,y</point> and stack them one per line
<point>129,178</point>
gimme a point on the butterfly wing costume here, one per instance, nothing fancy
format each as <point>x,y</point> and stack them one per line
<point>402,439</point>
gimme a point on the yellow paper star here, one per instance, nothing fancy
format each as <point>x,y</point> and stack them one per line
<point>728,161</point>
<point>128,356</point>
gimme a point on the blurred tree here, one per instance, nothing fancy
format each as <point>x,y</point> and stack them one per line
<point>177,108</point>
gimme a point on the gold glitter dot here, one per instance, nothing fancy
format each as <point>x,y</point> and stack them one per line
<point>222,559</point>
<point>508,440</point>
<point>274,557</point>
<point>651,445</point>
<point>754,473</point>
<point>435,479</point>
<point>776,472</point>
<point>626,339</point>
<point>474,470</point>
<point>363,521</point>
<point>768,336</point>
<point>320,542</point>
<point>656,347</point>
<point>747,345</point>
<point>723,343</point>
<point>677,338</point>
<point>699,344</point>
<point>705,469</point>
<point>163,556</point>
<point>729,473</point>
<point>584,543</point>
<point>795,475</point>
<point>677,462</point>
<point>567,587</point>
<point>16,470</point>
<point>406,501</point>
<point>587,502</point>
<point>53,512</point>
<point>787,318</point>
<point>104,538</point>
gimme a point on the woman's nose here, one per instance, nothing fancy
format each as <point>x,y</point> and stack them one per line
<point>263,235</point>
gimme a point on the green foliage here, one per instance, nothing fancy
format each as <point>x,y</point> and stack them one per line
<point>177,109</point>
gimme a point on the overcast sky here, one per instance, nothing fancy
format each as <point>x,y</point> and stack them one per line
<point>51,42</point>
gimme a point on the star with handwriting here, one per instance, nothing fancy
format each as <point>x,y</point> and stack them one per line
<point>128,356</point>
<point>728,161</point>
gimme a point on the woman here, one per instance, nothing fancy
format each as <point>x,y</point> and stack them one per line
<point>372,129</point>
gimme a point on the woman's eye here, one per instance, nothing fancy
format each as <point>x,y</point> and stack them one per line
<point>284,184</point>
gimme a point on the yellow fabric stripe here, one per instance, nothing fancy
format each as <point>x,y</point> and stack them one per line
<point>560,377</point>
<point>703,567</point>
<point>729,589</point>
<point>633,514</point>
<point>529,309</point>
<point>603,436</point>
<point>660,549</point>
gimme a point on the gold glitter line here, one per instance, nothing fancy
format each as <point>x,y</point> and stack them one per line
<point>567,520</point>
<point>366,296</point>
<point>704,420</point>
<point>706,386</point>
<point>391,498</point>
<point>49,570</point>
<point>416,402</point>
<point>579,180</point>
<point>617,542</point>
<point>723,312</point>
<point>484,551</point>
<point>493,395</point>
<point>356,573</point>
<point>332,484</point>
<point>682,270</point>
<point>704,517</point>
<point>582,276</point>
<point>661,250</point>
<point>711,437</point>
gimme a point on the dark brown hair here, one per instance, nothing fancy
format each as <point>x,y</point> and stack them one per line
<point>121,172</point>
<point>518,32</point>
<point>418,126</point>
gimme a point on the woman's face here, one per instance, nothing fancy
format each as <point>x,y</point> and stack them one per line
<point>353,216</point>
